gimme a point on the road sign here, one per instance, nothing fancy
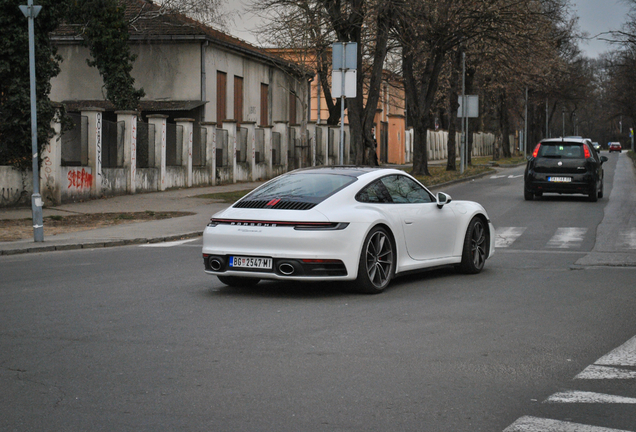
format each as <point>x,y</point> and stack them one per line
<point>349,83</point>
<point>350,58</point>
<point>472,107</point>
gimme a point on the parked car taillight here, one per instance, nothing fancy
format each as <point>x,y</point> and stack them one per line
<point>536,150</point>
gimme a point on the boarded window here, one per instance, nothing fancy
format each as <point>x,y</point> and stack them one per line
<point>292,108</point>
<point>238,99</point>
<point>264,105</point>
<point>221,97</point>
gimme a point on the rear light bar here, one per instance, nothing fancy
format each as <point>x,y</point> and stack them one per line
<point>535,153</point>
<point>586,152</point>
<point>272,224</point>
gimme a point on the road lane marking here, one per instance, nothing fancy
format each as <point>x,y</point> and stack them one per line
<point>597,372</point>
<point>536,424</point>
<point>588,397</point>
<point>167,244</point>
<point>506,236</point>
<point>627,239</point>
<point>565,238</point>
<point>624,355</point>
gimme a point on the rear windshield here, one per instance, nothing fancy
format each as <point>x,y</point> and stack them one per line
<point>303,185</point>
<point>561,150</point>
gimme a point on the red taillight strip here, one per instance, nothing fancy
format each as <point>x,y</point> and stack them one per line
<point>295,225</point>
<point>536,150</point>
<point>586,152</point>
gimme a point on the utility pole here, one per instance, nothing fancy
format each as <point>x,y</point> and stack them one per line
<point>30,12</point>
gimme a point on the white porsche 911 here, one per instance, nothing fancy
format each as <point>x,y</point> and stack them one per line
<point>344,223</point>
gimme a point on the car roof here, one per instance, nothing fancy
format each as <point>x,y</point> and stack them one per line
<point>566,139</point>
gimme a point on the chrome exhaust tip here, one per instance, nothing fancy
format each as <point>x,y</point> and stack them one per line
<point>286,269</point>
<point>216,264</point>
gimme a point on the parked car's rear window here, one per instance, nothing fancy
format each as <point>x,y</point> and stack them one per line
<point>561,150</point>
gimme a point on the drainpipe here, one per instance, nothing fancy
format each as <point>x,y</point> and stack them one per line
<point>203,79</point>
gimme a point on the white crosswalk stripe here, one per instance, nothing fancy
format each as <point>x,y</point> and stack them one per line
<point>504,237</point>
<point>588,397</point>
<point>536,424</point>
<point>627,239</point>
<point>624,355</point>
<point>567,238</point>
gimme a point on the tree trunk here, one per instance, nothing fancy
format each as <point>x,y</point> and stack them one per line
<point>453,94</point>
<point>504,125</point>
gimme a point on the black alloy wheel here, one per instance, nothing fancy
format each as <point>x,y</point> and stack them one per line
<point>377,262</point>
<point>475,248</point>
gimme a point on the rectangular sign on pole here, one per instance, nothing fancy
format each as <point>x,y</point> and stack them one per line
<point>350,55</point>
<point>349,83</point>
<point>472,107</point>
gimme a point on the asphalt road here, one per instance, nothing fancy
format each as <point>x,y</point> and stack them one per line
<point>140,339</point>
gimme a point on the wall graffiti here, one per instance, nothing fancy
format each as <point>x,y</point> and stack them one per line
<point>79,179</point>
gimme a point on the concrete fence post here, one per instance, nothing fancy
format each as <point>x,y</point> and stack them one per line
<point>231,127</point>
<point>251,146</point>
<point>158,158</point>
<point>186,149</point>
<point>210,150</point>
<point>129,118</point>
<point>267,148</point>
<point>51,172</point>
<point>283,130</point>
<point>94,117</point>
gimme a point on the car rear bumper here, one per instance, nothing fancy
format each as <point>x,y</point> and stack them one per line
<point>579,184</point>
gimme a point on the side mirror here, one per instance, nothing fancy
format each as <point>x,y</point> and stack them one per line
<point>604,159</point>
<point>442,199</point>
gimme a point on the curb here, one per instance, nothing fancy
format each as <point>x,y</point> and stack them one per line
<point>100,244</point>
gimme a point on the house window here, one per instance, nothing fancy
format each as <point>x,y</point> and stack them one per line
<point>292,108</point>
<point>238,100</point>
<point>221,98</point>
<point>264,105</point>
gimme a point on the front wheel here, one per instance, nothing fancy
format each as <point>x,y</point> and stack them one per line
<point>239,282</point>
<point>475,248</point>
<point>377,262</point>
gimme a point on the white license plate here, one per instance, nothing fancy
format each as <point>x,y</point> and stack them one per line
<point>250,262</point>
<point>560,179</point>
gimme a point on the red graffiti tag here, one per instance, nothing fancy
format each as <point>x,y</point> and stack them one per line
<point>79,179</point>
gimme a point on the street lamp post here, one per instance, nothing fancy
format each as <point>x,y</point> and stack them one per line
<point>30,11</point>
<point>563,121</point>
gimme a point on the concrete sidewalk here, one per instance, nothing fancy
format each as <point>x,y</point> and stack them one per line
<point>133,233</point>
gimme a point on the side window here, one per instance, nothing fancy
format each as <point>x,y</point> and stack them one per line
<point>374,193</point>
<point>404,190</point>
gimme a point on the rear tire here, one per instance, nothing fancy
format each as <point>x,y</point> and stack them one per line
<point>238,282</point>
<point>377,262</point>
<point>600,192</point>
<point>527,195</point>
<point>475,249</point>
<point>593,195</point>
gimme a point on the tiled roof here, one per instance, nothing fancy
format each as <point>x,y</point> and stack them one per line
<point>149,22</point>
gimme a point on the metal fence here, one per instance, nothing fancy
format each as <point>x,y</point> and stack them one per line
<point>241,145</point>
<point>199,148</point>
<point>276,138</point>
<point>174,141</point>
<point>222,153</point>
<point>320,151</point>
<point>75,142</point>
<point>259,146</point>
<point>145,144</point>
<point>113,144</point>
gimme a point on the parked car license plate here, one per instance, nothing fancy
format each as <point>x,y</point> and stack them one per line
<point>560,179</point>
<point>250,262</point>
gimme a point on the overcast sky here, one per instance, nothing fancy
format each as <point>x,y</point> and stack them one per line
<point>595,17</point>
